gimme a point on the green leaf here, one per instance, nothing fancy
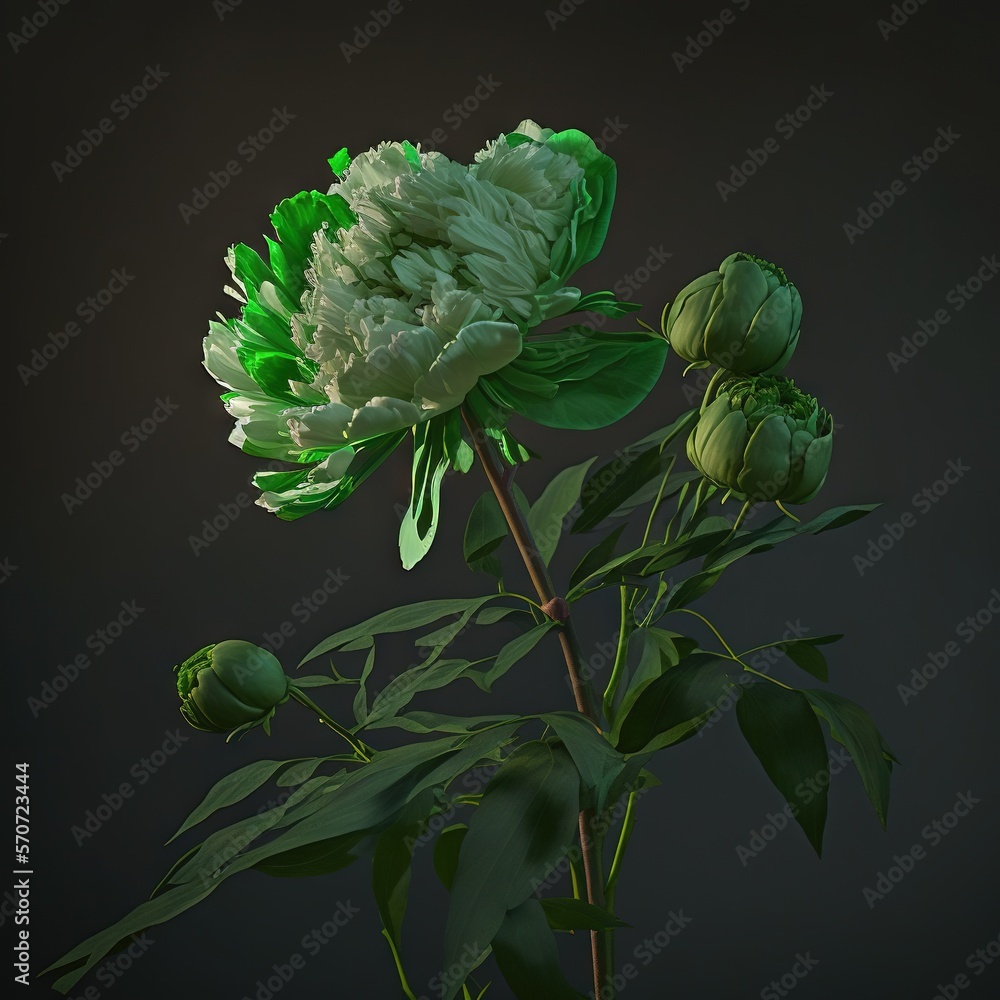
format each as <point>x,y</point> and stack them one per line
<point>360,705</point>
<point>597,761</point>
<point>485,530</point>
<point>402,689</point>
<point>446,851</point>
<point>613,484</point>
<point>511,653</point>
<point>524,824</point>
<point>651,664</point>
<point>767,536</point>
<point>340,161</point>
<point>689,590</point>
<point>391,863</point>
<point>233,788</point>
<point>402,619</point>
<point>568,914</point>
<point>369,799</point>
<point>803,653</point>
<point>324,857</point>
<point>430,463</point>
<point>601,553</point>
<point>315,681</point>
<point>851,726</point>
<point>782,730</point>
<point>548,514</point>
<point>435,722</point>
<point>526,953</point>
<point>606,304</point>
<point>676,704</point>
<point>601,377</point>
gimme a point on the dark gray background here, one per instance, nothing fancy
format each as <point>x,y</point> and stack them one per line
<point>685,130</point>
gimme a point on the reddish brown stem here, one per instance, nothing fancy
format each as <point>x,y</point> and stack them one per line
<point>500,476</point>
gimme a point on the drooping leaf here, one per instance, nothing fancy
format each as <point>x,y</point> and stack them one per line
<point>430,463</point>
<point>524,824</point>
<point>391,863</point>
<point>446,851</point>
<point>525,950</point>
<point>675,705</point>
<point>596,759</point>
<point>782,730</point>
<point>851,726</point>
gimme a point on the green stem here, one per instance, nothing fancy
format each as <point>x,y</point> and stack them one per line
<point>399,967</point>
<point>729,650</point>
<point>591,842</point>
<point>359,748</point>
<point>620,657</point>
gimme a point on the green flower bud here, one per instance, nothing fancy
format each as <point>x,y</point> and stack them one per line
<point>744,317</point>
<point>229,685</point>
<point>763,439</point>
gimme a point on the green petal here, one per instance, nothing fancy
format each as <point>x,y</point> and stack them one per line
<point>766,464</point>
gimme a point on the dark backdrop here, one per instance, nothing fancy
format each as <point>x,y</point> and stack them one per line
<point>881,96</point>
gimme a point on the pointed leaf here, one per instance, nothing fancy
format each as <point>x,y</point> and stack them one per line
<point>548,514</point>
<point>446,852</point>
<point>525,950</point>
<point>524,824</point>
<point>568,914</point>
<point>851,726</point>
<point>782,730</point>
<point>485,530</point>
<point>397,620</point>
<point>675,705</point>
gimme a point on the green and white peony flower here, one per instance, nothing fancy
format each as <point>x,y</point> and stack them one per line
<point>390,300</point>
